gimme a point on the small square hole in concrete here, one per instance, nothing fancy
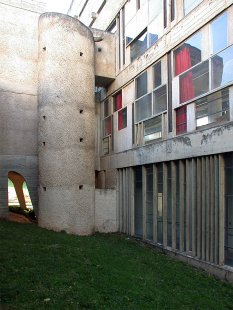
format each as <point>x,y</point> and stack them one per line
<point>81,139</point>
<point>81,111</point>
<point>81,53</point>
<point>44,188</point>
<point>80,186</point>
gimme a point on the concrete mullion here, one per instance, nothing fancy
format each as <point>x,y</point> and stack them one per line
<point>132,193</point>
<point>221,209</point>
<point>127,200</point>
<point>199,184</point>
<point>203,208</point>
<point>144,201</point>
<point>188,196</point>
<point>181,185</point>
<point>216,208</point>
<point>207,209</point>
<point>173,193</point>
<point>155,203</point>
<point>211,209</point>
<point>194,207</point>
<point>164,204</point>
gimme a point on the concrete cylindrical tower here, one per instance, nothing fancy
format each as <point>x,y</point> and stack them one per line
<point>66,124</point>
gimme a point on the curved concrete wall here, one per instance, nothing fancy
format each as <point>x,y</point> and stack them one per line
<point>66,124</point>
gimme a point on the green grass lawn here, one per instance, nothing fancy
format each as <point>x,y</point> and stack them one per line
<point>41,269</point>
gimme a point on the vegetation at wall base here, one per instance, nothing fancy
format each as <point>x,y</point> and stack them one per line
<point>42,269</point>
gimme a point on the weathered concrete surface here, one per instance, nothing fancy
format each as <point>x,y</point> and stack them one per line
<point>18,98</point>
<point>105,210</point>
<point>105,61</point>
<point>199,143</point>
<point>66,124</point>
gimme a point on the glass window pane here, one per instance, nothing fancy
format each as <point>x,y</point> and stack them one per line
<point>222,68</point>
<point>141,85</point>
<point>106,108</point>
<point>139,46</point>
<point>130,10</point>
<point>143,108</point>
<point>195,82</point>
<point>213,108</point>
<point>130,31</point>
<point>189,5</point>
<point>160,100</point>
<point>117,101</point>
<point>218,30</point>
<point>107,126</point>
<point>113,27</point>
<point>155,29</point>
<point>188,54</point>
<point>181,120</point>
<point>106,145</point>
<point>155,9</point>
<point>122,119</point>
<point>153,129</point>
<point>157,74</point>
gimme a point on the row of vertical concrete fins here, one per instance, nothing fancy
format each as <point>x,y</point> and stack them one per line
<point>66,124</point>
<point>193,206</point>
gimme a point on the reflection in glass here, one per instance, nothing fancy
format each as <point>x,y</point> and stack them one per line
<point>222,68</point>
<point>160,100</point>
<point>213,108</point>
<point>139,46</point>
<point>188,54</point>
<point>143,108</point>
<point>153,129</point>
<point>195,82</point>
<point>157,74</point>
<point>218,30</point>
<point>189,5</point>
<point>130,31</point>
<point>141,85</point>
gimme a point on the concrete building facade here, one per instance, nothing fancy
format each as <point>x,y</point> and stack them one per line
<point>152,154</point>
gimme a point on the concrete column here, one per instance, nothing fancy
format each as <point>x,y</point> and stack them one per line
<point>164,204</point>
<point>155,203</point>
<point>194,206</point>
<point>173,193</point>
<point>66,124</point>
<point>182,206</point>
<point>144,201</point>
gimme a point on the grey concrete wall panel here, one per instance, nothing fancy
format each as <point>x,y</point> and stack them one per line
<point>202,142</point>
<point>18,99</point>
<point>66,124</point>
<point>105,210</point>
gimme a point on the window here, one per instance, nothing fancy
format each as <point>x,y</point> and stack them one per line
<point>160,203</point>
<point>160,100</point>
<point>149,202</point>
<point>143,108</point>
<point>213,108</point>
<point>130,10</point>
<point>222,68</point>
<point>113,27</point>
<point>107,126</point>
<point>172,10</point>
<point>188,54</point>
<point>157,74</point>
<point>189,5</point>
<point>106,108</point>
<point>141,85</point>
<point>138,46</point>
<point>218,30</point>
<point>122,119</point>
<point>153,129</point>
<point>195,82</point>
<point>106,146</point>
<point>117,101</point>
<point>181,120</point>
